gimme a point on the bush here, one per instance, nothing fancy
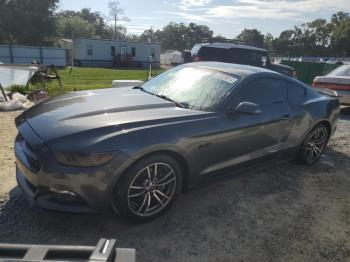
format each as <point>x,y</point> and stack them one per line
<point>19,89</point>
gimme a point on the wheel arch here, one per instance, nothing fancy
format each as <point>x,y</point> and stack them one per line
<point>327,124</point>
<point>183,163</point>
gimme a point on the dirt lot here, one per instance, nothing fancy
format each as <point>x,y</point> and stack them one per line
<point>284,213</point>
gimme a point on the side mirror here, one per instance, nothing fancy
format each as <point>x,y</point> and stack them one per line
<point>248,108</point>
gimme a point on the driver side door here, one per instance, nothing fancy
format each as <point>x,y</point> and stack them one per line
<point>255,136</point>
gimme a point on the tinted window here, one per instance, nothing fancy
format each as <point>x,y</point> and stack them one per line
<point>234,55</point>
<point>213,54</point>
<point>192,87</point>
<point>264,91</point>
<point>246,56</point>
<point>295,91</point>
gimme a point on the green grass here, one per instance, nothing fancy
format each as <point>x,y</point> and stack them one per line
<point>94,78</point>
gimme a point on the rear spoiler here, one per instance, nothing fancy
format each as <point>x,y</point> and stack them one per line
<point>105,250</point>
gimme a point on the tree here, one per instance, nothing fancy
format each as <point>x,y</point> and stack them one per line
<point>268,41</point>
<point>30,22</point>
<point>252,37</point>
<point>74,27</point>
<point>178,36</point>
<point>115,13</point>
<point>148,36</point>
<point>196,34</point>
<point>94,19</point>
<point>340,39</point>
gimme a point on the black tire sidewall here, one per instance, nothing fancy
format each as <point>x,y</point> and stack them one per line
<point>120,196</point>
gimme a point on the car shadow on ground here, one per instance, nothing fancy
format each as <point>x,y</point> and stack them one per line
<point>250,214</point>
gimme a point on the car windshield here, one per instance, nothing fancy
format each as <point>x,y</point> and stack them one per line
<point>341,71</point>
<point>193,88</point>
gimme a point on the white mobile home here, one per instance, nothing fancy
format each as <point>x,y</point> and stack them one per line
<point>109,53</point>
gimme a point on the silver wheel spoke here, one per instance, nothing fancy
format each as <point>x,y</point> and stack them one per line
<point>148,203</point>
<point>138,194</point>
<point>165,183</point>
<point>161,193</point>
<point>155,171</point>
<point>165,177</point>
<point>138,187</point>
<point>160,201</point>
<point>149,175</point>
<point>143,203</point>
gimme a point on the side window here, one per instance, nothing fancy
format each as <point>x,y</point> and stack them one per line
<point>112,50</point>
<point>153,52</point>
<point>295,91</point>
<point>133,51</point>
<point>89,49</point>
<point>265,91</point>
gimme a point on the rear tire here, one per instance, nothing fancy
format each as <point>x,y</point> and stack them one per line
<point>313,145</point>
<point>148,188</point>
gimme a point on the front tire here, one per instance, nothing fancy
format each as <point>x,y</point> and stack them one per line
<point>148,188</point>
<point>313,145</point>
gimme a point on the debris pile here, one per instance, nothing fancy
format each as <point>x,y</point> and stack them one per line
<point>14,101</point>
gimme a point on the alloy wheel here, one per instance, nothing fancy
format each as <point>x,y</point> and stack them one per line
<point>152,189</point>
<point>315,145</point>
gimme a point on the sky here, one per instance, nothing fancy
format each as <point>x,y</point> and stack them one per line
<point>225,17</point>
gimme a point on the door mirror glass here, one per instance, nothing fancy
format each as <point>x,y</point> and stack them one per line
<point>248,108</point>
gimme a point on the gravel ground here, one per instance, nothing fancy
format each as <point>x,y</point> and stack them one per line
<point>284,213</point>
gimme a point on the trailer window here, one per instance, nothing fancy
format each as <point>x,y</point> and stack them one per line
<point>89,49</point>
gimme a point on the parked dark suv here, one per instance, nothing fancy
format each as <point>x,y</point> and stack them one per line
<point>237,54</point>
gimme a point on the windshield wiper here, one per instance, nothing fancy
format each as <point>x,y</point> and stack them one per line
<point>171,100</point>
<point>161,96</point>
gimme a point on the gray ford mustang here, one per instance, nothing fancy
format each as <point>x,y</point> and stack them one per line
<point>135,149</point>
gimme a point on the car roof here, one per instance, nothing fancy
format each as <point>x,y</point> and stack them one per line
<point>231,45</point>
<point>235,69</point>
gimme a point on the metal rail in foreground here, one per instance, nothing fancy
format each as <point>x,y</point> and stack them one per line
<point>105,250</point>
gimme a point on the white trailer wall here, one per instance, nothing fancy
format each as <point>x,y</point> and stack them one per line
<point>100,53</point>
<point>26,54</point>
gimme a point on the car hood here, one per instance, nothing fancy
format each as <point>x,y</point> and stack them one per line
<point>101,112</point>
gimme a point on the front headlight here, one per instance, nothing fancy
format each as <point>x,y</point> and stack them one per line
<point>84,159</point>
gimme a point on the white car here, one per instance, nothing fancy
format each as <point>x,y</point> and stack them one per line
<point>337,80</point>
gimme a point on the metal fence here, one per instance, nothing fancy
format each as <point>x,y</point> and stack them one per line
<point>10,54</point>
